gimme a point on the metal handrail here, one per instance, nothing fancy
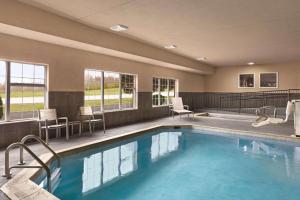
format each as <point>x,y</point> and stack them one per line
<point>23,146</point>
<point>24,139</point>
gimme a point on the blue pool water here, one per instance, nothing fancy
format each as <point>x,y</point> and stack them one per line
<point>183,164</point>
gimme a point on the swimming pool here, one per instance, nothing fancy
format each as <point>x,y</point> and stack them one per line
<point>186,163</point>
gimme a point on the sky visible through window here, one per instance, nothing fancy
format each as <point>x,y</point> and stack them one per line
<point>27,73</point>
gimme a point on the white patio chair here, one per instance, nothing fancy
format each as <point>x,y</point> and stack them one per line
<point>263,120</point>
<point>88,116</point>
<point>179,108</point>
<point>48,120</point>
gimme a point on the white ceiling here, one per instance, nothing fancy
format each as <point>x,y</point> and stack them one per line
<point>227,32</point>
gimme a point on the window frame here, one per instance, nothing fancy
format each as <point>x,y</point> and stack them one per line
<point>101,86</point>
<point>135,96</point>
<point>9,84</point>
<point>176,89</point>
<point>135,91</point>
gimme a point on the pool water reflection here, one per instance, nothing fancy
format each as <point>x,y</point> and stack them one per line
<point>183,164</point>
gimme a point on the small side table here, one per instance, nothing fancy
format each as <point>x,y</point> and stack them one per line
<point>75,123</point>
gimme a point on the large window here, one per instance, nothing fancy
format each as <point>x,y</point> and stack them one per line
<point>119,90</point>
<point>162,91</point>
<point>25,92</point>
<point>128,91</point>
<point>92,89</point>
<point>111,91</point>
<point>2,89</point>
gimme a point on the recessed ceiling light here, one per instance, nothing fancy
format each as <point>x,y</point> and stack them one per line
<point>119,28</point>
<point>201,58</point>
<point>172,46</point>
<point>251,63</point>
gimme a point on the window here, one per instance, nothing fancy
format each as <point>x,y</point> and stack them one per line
<point>155,92</point>
<point>127,91</point>
<point>92,89</point>
<point>111,91</point>
<point>119,90</point>
<point>26,89</point>
<point>172,89</point>
<point>162,91</point>
<point>2,89</point>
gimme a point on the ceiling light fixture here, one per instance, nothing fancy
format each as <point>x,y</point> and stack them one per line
<point>201,58</point>
<point>119,28</point>
<point>251,63</point>
<point>172,46</point>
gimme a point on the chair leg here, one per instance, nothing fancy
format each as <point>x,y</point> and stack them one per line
<point>40,131</point>
<point>81,126</point>
<point>103,126</point>
<point>47,135</point>
<point>90,127</point>
<point>72,129</point>
<point>67,132</point>
<point>80,129</point>
<point>57,132</point>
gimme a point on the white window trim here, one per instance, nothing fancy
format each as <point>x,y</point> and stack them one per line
<point>176,90</point>
<point>8,85</point>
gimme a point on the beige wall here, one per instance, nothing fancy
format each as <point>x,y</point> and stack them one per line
<point>66,65</point>
<point>226,78</point>
<point>44,22</point>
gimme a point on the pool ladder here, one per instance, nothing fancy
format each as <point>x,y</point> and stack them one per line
<point>21,164</point>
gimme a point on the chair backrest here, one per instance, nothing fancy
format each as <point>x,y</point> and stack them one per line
<point>86,111</point>
<point>47,114</point>
<point>177,103</point>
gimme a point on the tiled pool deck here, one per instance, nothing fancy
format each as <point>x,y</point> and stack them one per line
<point>58,144</point>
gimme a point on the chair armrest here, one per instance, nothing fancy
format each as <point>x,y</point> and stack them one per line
<point>64,118</point>
<point>186,107</point>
